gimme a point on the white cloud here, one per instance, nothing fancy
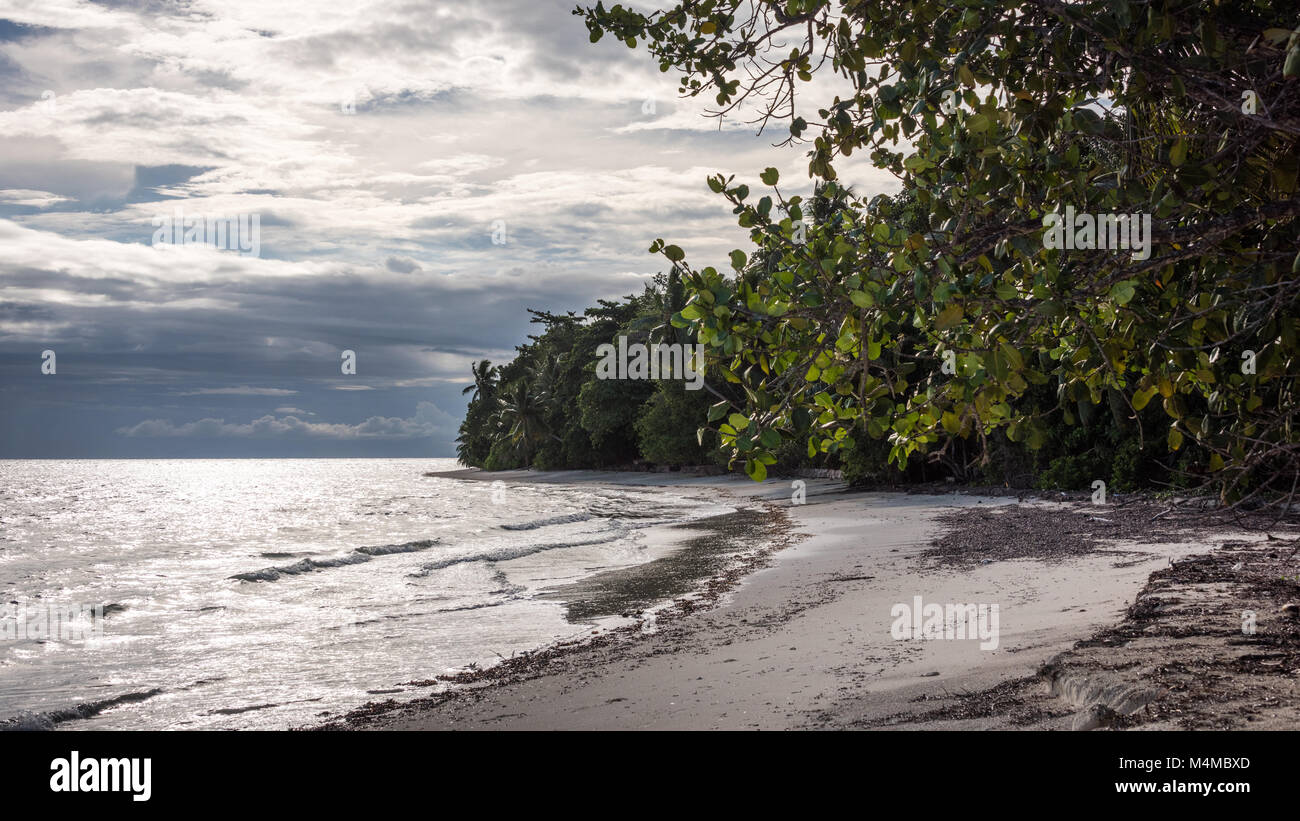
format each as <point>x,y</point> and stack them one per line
<point>429,421</point>
<point>30,198</point>
<point>375,225</point>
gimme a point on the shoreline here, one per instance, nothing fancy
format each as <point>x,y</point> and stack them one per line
<point>802,639</point>
<point>753,517</point>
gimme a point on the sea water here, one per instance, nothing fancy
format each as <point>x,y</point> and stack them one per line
<point>268,593</point>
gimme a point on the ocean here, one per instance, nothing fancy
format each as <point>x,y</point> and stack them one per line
<point>269,593</point>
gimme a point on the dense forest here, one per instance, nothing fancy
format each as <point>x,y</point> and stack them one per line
<point>941,332</point>
<point>547,409</point>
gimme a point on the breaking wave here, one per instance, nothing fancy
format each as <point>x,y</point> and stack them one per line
<point>568,518</point>
<point>357,556</point>
<point>47,720</point>
<point>505,554</point>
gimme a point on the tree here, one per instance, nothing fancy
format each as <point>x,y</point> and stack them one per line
<point>484,379</point>
<point>474,444</point>
<point>521,417</point>
<point>995,115</point>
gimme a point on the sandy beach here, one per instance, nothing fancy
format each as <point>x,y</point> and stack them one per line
<point>805,636</point>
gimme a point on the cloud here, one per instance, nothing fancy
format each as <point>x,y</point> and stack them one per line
<point>376,217</point>
<point>461,164</point>
<point>241,390</point>
<point>401,265</point>
<point>30,198</point>
<point>429,421</point>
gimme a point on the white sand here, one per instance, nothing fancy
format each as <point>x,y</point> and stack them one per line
<point>806,641</point>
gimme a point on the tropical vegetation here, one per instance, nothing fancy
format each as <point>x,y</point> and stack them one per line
<point>934,330</point>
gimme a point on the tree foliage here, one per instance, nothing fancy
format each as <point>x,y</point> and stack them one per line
<point>547,409</point>
<point>994,114</point>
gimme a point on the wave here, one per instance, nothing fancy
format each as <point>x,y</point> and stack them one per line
<point>505,554</point>
<point>357,556</point>
<point>504,585</point>
<point>405,547</point>
<point>47,720</point>
<point>408,616</point>
<point>234,711</point>
<point>554,520</point>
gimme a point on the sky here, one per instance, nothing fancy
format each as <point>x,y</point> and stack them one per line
<point>415,175</point>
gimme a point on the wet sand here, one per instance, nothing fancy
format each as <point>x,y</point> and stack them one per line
<point>800,636</point>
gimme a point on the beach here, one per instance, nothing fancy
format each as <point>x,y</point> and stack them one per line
<point>806,637</point>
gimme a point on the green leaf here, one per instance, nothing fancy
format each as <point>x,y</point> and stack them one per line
<point>948,317</point>
<point>1277,36</point>
<point>674,253</point>
<point>1178,154</point>
<point>1143,397</point>
<point>1036,437</point>
<point>756,470</point>
<point>770,176</point>
<point>1175,438</point>
<point>1122,292</point>
<point>950,422</point>
<point>738,421</point>
<point>1014,359</point>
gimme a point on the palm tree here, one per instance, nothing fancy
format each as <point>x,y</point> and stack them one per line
<point>520,413</point>
<point>485,375</point>
<point>548,385</point>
